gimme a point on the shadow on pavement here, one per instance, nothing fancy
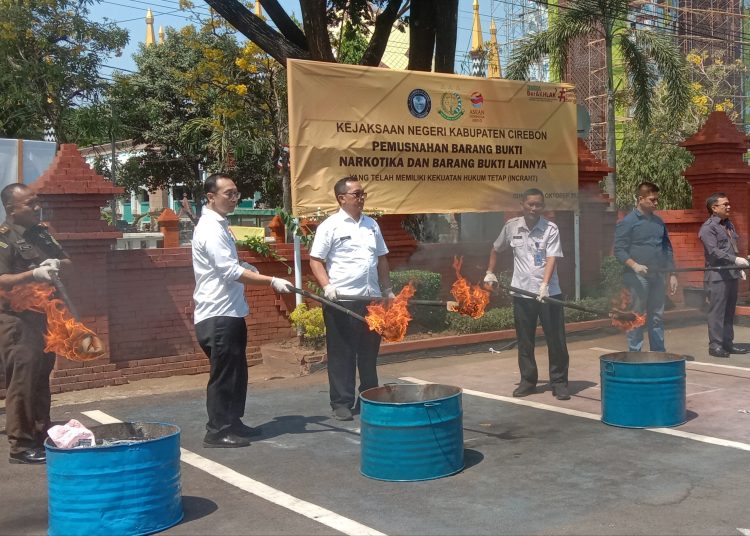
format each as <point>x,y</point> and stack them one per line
<point>196,508</point>
<point>298,424</point>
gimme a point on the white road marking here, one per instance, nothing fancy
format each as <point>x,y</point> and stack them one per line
<point>744,532</point>
<point>733,367</point>
<point>702,363</point>
<point>704,392</point>
<point>230,476</point>
<point>666,431</point>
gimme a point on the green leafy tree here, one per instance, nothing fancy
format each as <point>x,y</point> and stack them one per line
<point>654,153</point>
<point>201,101</point>
<point>647,56</point>
<point>51,54</point>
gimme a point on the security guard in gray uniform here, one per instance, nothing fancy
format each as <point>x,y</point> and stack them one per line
<point>28,253</point>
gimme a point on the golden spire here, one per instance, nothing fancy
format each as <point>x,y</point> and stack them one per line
<point>477,43</point>
<point>259,10</point>
<point>150,39</point>
<point>493,69</point>
<point>161,35</point>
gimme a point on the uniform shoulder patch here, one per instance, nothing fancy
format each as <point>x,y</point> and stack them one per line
<point>3,244</point>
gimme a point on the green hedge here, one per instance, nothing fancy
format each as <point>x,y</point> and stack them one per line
<point>427,284</point>
<point>501,318</point>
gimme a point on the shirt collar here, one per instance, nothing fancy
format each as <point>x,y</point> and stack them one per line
<point>541,224</point>
<point>214,215</point>
<point>345,216</point>
<point>714,218</point>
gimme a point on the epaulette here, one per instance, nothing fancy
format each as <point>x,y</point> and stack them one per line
<point>4,229</point>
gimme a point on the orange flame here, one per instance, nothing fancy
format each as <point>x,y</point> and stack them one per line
<point>471,300</point>
<point>391,321</point>
<point>65,336</point>
<point>621,304</point>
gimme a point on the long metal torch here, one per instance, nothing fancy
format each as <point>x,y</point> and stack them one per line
<point>65,297</point>
<point>700,269</point>
<point>329,303</point>
<point>618,315</point>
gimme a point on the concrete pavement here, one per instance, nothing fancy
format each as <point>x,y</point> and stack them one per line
<point>534,465</point>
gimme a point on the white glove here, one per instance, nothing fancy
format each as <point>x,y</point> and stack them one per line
<point>741,261</point>
<point>543,292</point>
<point>44,274</point>
<point>248,266</point>
<point>330,292</point>
<point>388,293</point>
<point>282,286</point>
<point>743,275</point>
<point>639,269</point>
<point>55,263</point>
<point>673,285</point>
<point>490,279</point>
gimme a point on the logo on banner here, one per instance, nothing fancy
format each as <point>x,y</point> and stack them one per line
<point>451,107</point>
<point>476,99</point>
<point>419,103</point>
<point>476,112</point>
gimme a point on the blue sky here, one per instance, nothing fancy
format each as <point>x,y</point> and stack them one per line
<point>130,14</point>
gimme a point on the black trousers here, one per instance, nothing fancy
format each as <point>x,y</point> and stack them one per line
<point>526,313</point>
<point>27,371</point>
<point>350,346</point>
<point>722,299</point>
<point>224,341</point>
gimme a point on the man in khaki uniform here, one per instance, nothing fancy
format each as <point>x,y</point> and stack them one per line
<point>28,253</point>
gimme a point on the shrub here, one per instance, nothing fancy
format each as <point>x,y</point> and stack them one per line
<point>492,320</point>
<point>427,284</point>
<point>310,321</point>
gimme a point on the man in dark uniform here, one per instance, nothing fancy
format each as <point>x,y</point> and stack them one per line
<point>720,247</point>
<point>28,253</point>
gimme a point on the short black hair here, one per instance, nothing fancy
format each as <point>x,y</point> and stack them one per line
<point>531,191</point>
<point>712,199</point>
<point>645,188</point>
<point>6,195</point>
<point>340,187</point>
<point>210,185</point>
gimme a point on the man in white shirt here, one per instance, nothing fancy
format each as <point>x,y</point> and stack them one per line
<point>348,258</point>
<point>536,246</point>
<point>220,310</point>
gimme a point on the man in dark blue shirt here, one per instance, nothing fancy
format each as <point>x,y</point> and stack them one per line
<point>720,247</point>
<point>642,245</point>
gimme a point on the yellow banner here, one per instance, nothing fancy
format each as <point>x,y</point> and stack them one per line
<point>426,142</point>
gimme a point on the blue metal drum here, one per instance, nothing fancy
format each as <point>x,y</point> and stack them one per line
<point>411,432</point>
<point>643,389</point>
<point>129,485</point>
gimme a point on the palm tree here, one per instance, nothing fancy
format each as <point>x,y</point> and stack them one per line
<point>647,57</point>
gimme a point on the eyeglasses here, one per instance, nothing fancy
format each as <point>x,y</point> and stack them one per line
<point>232,194</point>
<point>358,195</point>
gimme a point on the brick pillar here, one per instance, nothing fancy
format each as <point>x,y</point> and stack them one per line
<point>597,222</point>
<point>169,226</point>
<point>72,195</point>
<point>719,148</point>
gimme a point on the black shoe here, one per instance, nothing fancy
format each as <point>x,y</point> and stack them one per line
<point>342,413</point>
<point>561,392</point>
<point>718,352</point>
<point>225,441</point>
<point>31,456</point>
<point>736,349</point>
<point>243,430</point>
<point>524,389</point>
